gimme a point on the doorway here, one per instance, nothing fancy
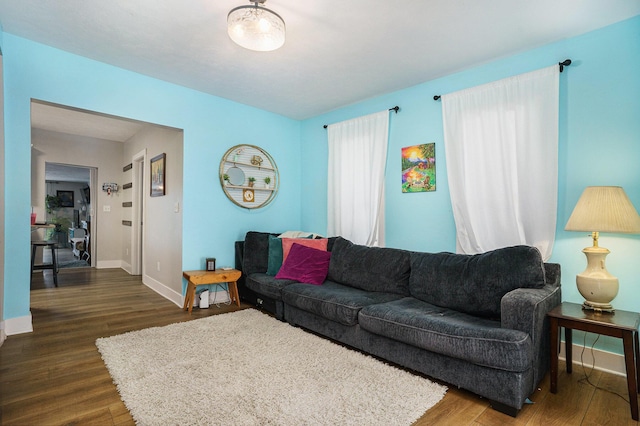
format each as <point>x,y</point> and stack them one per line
<point>68,206</point>
<point>117,148</point>
<point>66,143</point>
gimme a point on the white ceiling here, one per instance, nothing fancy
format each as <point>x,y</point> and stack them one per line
<point>337,52</point>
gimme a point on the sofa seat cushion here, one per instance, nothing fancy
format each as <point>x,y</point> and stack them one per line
<point>475,284</point>
<point>267,285</point>
<point>477,340</point>
<point>333,301</point>
<point>380,269</point>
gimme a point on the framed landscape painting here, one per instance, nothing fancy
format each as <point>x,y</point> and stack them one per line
<point>66,198</point>
<point>158,175</point>
<point>419,168</point>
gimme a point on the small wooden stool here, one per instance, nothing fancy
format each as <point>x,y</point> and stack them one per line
<point>219,276</point>
<point>53,265</point>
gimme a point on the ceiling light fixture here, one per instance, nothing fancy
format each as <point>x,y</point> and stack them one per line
<point>256,27</point>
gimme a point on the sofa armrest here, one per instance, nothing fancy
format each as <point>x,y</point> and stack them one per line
<point>525,309</point>
<point>522,309</point>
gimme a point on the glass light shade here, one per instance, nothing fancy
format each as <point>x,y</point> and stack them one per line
<point>256,28</point>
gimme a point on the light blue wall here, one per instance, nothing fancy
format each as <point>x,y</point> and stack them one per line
<point>211,126</point>
<point>599,145</point>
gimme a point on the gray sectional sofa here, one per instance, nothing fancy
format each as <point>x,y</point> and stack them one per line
<point>477,322</point>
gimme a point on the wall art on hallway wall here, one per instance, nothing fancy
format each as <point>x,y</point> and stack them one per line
<point>158,164</point>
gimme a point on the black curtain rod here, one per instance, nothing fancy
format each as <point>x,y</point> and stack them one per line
<point>562,64</point>
<point>395,108</point>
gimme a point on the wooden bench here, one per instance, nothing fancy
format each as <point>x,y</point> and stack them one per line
<point>219,276</point>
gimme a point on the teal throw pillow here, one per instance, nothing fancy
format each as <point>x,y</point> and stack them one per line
<point>275,255</point>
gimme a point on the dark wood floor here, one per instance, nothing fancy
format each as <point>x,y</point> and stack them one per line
<point>55,376</point>
<point>44,279</point>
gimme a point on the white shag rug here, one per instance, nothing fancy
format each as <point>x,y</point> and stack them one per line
<point>247,368</point>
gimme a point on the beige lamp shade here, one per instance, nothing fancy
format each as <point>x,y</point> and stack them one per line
<point>604,209</point>
<point>601,209</point>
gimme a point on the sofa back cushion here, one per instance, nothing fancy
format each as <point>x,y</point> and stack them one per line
<point>370,268</point>
<point>475,284</point>
<point>256,252</point>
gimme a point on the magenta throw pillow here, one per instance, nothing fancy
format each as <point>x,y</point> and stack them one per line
<point>306,265</point>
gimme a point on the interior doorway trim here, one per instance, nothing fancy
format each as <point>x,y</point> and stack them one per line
<point>93,191</point>
<point>137,226</point>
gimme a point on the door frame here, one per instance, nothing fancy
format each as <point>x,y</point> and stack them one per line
<point>137,224</point>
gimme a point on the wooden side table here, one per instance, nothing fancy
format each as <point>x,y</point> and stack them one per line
<point>621,324</point>
<point>219,276</point>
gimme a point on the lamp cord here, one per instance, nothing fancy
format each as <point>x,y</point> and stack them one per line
<point>593,357</point>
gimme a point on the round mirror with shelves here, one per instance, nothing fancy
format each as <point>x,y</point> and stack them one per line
<point>236,176</point>
<point>249,176</point>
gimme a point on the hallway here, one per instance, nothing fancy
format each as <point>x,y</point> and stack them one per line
<point>67,263</point>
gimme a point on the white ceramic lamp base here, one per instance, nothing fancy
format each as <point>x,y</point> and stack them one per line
<point>595,283</point>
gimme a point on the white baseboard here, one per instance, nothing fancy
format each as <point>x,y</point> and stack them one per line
<point>18,325</point>
<point>3,335</point>
<point>163,290</point>
<point>108,264</point>
<point>127,267</point>
<point>608,362</point>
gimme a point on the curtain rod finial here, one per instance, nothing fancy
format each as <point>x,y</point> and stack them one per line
<point>564,63</point>
<point>436,97</point>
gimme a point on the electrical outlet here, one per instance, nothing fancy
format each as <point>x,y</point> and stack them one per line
<point>158,266</point>
<point>106,208</point>
<point>126,252</point>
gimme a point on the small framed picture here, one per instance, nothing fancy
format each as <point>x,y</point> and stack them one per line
<point>66,198</point>
<point>211,263</point>
<point>158,175</point>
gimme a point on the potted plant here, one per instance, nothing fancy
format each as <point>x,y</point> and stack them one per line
<point>251,181</point>
<point>225,177</point>
<point>52,202</point>
<point>267,181</point>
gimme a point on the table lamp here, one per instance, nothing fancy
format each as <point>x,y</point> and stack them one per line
<point>601,209</point>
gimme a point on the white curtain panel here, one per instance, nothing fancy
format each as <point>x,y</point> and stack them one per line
<point>501,145</point>
<point>357,159</point>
